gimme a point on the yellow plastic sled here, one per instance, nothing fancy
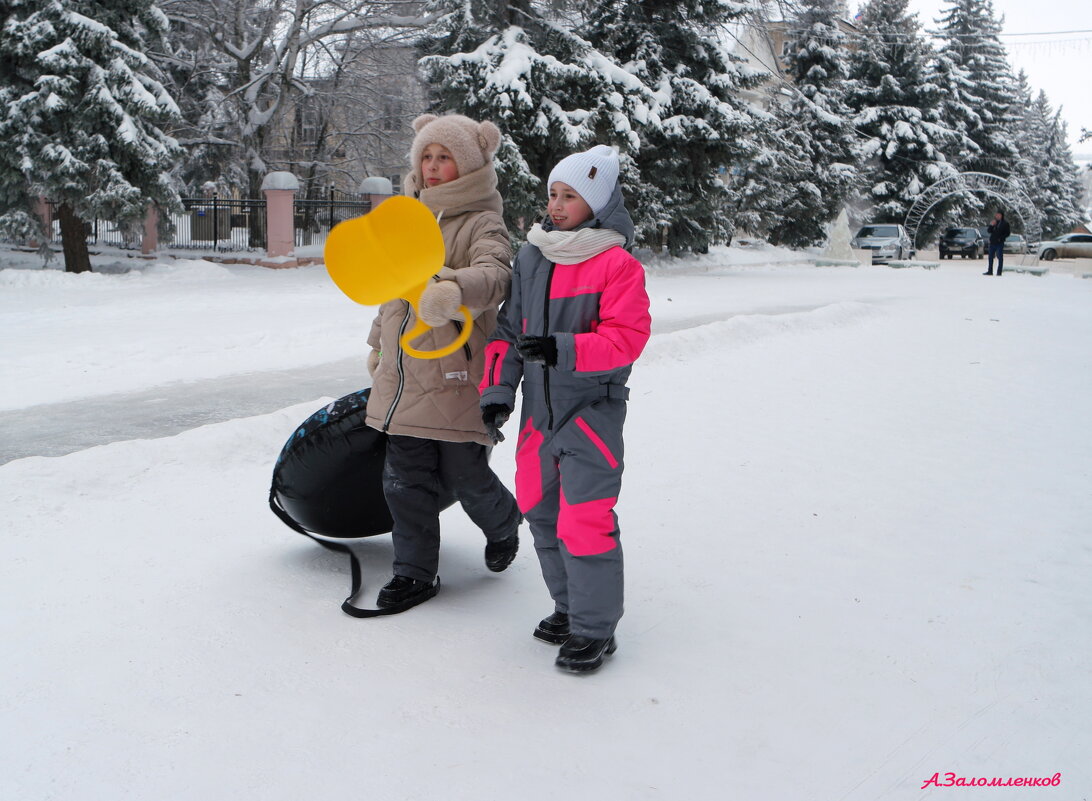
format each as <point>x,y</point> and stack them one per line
<point>392,252</point>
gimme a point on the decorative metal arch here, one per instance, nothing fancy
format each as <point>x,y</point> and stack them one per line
<point>985,183</point>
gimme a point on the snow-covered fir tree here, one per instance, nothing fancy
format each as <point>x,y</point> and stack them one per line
<point>702,127</point>
<point>896,106</point>
<point>1033,172</point>
<point>978,98</point>
<point>957,113</point>
<point>764,187</point>
<point>808,172</point>
<point>1045,170</point>
<point>82,117</point>
<point>1058,198</point>
<point>956,108</point>
<point>521,65</point>
<point>1030,134</point>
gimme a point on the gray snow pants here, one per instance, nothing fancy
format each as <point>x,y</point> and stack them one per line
<point>567,482</point>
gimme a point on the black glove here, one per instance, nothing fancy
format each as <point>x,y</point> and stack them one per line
<point>542,350</point>
<point>494,415</point>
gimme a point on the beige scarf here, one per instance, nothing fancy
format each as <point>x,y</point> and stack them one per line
<point>573,247</point>
<point>475,191</point>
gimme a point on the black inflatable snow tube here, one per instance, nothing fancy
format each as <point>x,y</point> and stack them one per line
<point>328,479</point>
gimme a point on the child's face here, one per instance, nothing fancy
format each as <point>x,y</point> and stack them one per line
<point>438,165</point>
<point>566,208</point>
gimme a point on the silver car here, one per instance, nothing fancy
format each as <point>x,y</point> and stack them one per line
<point>1015,243</point>
<point>1070,246</point>
<point>887,241</point>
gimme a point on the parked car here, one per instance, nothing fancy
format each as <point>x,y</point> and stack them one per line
<point>1015,243</point>
<point>887,241</point>
<point>1070,246</point>
<point>967,242</point>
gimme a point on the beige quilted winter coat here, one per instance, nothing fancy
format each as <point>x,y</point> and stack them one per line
<point>438,398</point>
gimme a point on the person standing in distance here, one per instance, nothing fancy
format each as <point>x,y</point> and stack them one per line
<point>999,231</point>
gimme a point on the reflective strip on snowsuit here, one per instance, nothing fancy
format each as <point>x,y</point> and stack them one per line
<point>569,450</point>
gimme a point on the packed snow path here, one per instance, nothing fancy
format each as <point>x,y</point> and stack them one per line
<point>56,429</point>
<point>61,428</point>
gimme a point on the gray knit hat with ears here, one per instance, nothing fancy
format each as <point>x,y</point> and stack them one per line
<point>471,143</point>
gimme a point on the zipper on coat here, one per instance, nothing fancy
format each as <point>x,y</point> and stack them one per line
<point>546,333</point>
<point>401,372</point>
<point>492,368</point>
<point>466,345</point>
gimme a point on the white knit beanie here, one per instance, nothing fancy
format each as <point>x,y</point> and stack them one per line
<point>592,174</point>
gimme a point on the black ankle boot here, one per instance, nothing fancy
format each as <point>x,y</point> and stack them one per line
<point>402,591</point>
<point>498,555</point>
<point>553,629</point>
<point>583,655</point>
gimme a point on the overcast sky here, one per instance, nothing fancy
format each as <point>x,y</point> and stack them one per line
<point>1059,64</point>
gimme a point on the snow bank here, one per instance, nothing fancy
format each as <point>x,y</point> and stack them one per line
<point>90,334</point>
<point>746,329</point>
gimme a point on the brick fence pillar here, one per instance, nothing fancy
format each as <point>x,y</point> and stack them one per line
<point>280,192</point>
<point>149,243</point>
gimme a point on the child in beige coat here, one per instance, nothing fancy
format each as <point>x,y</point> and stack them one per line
<point>430,407</point>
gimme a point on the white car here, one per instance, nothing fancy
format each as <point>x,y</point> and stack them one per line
<point>887,241</point>
<point>1070,246</point>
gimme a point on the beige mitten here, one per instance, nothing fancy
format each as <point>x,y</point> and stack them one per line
<point>440,302</point>
<point>373,362</point>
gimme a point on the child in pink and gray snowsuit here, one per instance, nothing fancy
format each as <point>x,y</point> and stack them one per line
<point>575,321</point>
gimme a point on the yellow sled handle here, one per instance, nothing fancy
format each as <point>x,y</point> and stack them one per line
<point>420,327</point>
<point>391,252</point>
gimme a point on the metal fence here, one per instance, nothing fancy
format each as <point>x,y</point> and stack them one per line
<point>99,232</point>
<point>313,219</point>
<point>228,224</point>
<point>215,223</point>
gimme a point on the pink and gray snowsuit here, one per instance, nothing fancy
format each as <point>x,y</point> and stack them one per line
<point>569,448</point>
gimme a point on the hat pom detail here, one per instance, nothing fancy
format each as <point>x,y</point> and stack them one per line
<point>489,137</point>
<point>422,121</point>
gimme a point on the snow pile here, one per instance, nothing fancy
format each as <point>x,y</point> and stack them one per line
<point>681,346</point>
<point>179,321</point>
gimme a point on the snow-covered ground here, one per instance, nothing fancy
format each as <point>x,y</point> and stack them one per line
<point>856,516</point>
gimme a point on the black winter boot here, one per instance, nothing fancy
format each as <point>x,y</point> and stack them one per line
<point>583,655</point>
<point>498,555</point>
<point>403,592</point>
<point>553,629</point>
